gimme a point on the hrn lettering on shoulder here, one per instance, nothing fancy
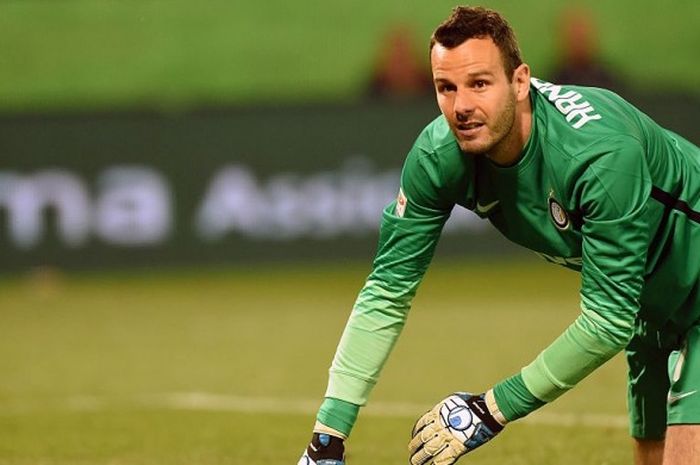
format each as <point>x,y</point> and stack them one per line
<point>578,112</point>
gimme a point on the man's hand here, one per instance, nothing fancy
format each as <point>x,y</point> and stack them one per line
<point>324,449</point>
<point>455,426</point>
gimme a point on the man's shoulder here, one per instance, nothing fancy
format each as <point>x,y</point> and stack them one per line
<point>575,123</point>
<point>583,127</point>
<point>436,136</point>
<point>581,112</point>
<point>437,146</point>
<point>436,164</point>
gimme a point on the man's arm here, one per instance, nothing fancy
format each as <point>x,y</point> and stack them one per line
<point>406,246</point>
<point>410,229</point>
<point>613,193</point>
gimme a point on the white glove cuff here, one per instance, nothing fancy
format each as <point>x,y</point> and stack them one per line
<point>493,408</point>
<point>323,429</point>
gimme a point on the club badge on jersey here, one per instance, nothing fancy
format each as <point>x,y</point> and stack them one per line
<point>558,214</point>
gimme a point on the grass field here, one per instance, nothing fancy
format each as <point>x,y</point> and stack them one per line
<point>228,367</point>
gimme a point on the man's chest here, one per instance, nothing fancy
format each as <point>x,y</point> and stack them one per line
<point>529,210</point>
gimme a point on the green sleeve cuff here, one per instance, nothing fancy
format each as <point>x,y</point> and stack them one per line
<point>513,398</point>
<point>338,414</point>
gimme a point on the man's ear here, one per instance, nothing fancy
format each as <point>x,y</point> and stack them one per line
<point>521,81</point>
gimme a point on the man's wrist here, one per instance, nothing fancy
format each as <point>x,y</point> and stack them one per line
<point>495,412</point>
<point>323,429</point>
<point>513,398</point>
<point>338,414</point>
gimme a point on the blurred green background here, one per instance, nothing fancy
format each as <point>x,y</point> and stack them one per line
<point>178,53</point>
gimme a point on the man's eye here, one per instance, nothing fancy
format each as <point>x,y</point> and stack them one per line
<point>445,88</point>
<point>480,84</point>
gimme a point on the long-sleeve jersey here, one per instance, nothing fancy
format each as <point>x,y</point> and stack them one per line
<point>599,188</point>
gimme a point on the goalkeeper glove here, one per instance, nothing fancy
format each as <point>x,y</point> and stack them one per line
<point>324,449</point>
<point>460,423</point>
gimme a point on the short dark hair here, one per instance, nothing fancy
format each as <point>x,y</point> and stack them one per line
<point>478,23</point>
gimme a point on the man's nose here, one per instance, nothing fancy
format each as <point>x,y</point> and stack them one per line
<point>464,106</point>
<point>462,116</point>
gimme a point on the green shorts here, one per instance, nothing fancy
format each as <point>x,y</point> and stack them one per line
<point>664,380</point>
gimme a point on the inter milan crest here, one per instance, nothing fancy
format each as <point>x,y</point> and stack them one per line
<point>558,214</point>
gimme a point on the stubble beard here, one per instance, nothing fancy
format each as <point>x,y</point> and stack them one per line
<point>498,133</point>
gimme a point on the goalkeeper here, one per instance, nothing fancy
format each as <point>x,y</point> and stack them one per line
<point>581,177</point>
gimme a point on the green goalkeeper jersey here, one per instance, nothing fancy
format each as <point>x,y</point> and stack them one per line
<point>599,188</point>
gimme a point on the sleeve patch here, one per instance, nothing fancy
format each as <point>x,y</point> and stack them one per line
<point>401,204</point>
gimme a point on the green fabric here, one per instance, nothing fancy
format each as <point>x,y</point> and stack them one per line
<point>406,246</point>
<point>684,374</point>
<point>648,381</point>
<point>584,195</point>
<point>513,398</point>
<point>586,344</point>
<point>338,414</point>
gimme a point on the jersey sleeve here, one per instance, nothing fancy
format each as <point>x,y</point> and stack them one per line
<point>612,193</point>
<point>409,232</point>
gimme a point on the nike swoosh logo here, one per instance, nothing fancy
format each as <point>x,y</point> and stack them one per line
<point>676,397</point>
<point>483,209</point>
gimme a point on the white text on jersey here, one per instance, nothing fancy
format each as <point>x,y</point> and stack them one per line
<point>567,103</point>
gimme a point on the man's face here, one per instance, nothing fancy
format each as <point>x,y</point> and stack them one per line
<point>474,93</point>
